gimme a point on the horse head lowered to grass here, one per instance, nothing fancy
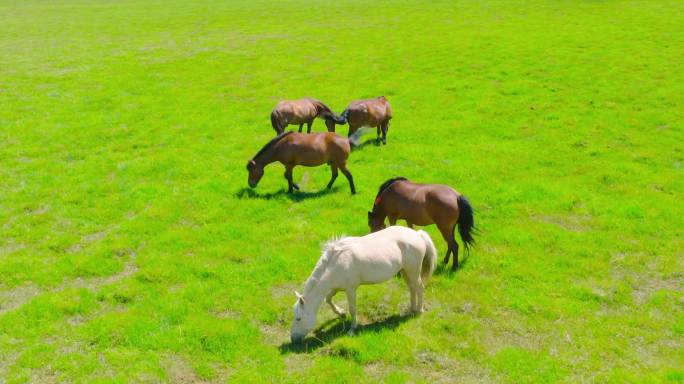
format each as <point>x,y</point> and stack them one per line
<point>292,148</point>
<point>300,112</point>
<point>349,262</point>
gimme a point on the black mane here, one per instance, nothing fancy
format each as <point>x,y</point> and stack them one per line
<point>271,143</point>
<point>387,184</point>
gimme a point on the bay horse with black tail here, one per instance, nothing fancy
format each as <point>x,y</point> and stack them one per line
<point>292,148</point>
<point>302,111</point>
<point>425,204</point>
<point>375,112</point>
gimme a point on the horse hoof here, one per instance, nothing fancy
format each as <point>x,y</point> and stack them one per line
<point>295,186</point>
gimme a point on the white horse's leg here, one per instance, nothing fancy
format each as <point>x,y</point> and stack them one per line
<point>415,284</point>
<point>328,299</point>
<point>420,289</point>
<point>412,290</point>
<point>351,299</point>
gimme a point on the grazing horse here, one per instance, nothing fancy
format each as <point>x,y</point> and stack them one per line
<point>302,111</point>
<point>349,262</point>
<point>425,204</point>
<point>374,112</point>
<point>292,148</point>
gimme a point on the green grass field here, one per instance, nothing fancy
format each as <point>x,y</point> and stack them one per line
<point>132,250</point>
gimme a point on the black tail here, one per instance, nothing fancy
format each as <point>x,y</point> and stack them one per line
<point>342,118</point>
<point>275,124</point>
<point>466,222</point>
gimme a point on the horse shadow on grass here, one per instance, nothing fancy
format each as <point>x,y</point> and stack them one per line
<point>367,143</point>
<point>334,328</point>
<point>248,193</point>
<point>445,269</point>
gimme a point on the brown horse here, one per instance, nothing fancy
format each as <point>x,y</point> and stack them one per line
<point>291,149</point>
<point>425,204</point>
<point>374,112</point>
<point>302,111</point>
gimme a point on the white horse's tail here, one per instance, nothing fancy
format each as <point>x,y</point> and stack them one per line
<point>355,138</point>
<point>430,259</point>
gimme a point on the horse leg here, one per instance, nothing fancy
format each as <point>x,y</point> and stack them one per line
<point>333,168</point>
<point>385,127</point>
<point>377,139</point>
<point>328,299</point>
<point>308,127</point>
<point>392,220</point>
<point>288,177</point>
<point>411,286</point>
<point>409,224</point>
<point>446,258</point>
<point>300,127</point>
<point>276,125</point>
<point>448,235</point>
<point>414,295</point>
<point>349,177</point>
<point>421,291</point>
<point>454,250</point>
<point>417,290</point>
<point>351,300</point>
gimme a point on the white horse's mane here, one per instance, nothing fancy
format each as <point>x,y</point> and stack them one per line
<point>331,249</point>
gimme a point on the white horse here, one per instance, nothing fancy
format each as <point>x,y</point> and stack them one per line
<point>349,262</point>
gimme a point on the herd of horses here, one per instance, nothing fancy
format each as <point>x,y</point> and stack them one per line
<point>349,262</point>
<point>375,112</point>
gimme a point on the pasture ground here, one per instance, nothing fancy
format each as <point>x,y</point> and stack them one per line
<point>131,250</point>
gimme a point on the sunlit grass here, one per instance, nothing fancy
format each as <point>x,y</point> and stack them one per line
<point>130,249</point>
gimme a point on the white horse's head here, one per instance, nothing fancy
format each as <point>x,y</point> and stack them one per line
<point>304,319</point>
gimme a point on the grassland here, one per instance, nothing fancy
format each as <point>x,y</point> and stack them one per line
<point>131,250</point>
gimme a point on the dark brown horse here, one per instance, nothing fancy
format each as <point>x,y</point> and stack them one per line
<point>425,204</point>
<point>292,148</point>
<point>374,112</point>
<point>302,111</point>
